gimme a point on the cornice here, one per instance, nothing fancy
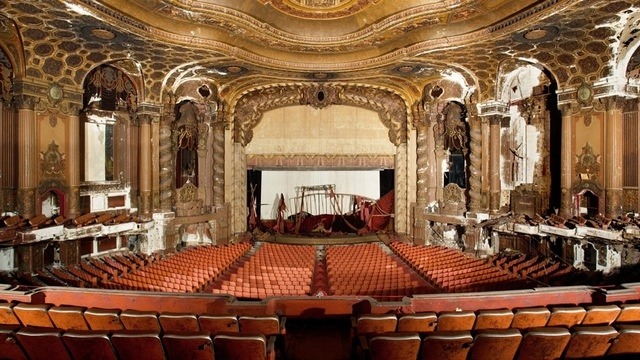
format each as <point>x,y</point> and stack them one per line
<point>270,41</point>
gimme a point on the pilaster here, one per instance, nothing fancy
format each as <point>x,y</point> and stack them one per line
<point>613,179</point>
<point>27,155</point>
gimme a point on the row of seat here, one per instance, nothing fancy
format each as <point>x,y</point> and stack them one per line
<point>274,270</point>
<point>78,318</point>
<point>366,269</point>
<point>190,270</point>
<point>19,343</point>
<point>453,271</point>
<point>534,267</point>
<point>521,318</point>
<point>585,342</point>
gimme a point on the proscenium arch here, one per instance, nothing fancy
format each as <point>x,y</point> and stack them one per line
<point>391,107</point>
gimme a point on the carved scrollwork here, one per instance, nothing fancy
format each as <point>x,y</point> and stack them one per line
<point>588,164</point>
<point>453,200</point>
<point>52,162</point>
<point>390,107</point>
<point>188,193</point>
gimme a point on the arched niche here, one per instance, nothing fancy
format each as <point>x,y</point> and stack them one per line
<point>530,140</point>
<point>109,136</point>
<point>52,202</point>
<point>588,198</point>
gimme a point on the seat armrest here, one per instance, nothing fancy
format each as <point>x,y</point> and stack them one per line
<point>271,348</point>
<point>283,322</point>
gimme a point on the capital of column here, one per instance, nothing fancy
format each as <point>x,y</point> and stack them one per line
<point>148,113</point>
<point>145,119</point>
<point>27,102</point>
<point>613,103</point>
<point>498,109</point>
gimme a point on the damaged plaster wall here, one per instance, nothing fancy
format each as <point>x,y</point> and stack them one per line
<point>519,140</point>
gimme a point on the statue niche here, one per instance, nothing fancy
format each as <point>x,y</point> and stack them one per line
<point>455,141</point>
<point>185,139</point>
<point>454,132</point>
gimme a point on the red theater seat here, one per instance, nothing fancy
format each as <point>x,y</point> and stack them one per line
<point>33,315</point>
<point>9,347</point>
<point>94,345</point>
<point>246,346</point>
<point>218,323</point>
<point>179,322</point>
<point>493,319</point>
<point>629,313</point>
<point>68,317</point>
<point>530,317</point>
<point>543,343</point>
<point>627,344</point>
<point>266,325</point>
<point>103,319</point>
<point>394,346</point>
<point>194,345</point>
<point>456,320</point>
<point>7,316</point>
<point>499,344</point>
<point>589,342</point>
<point>41,343</point>
<point>446,345</point>
<point>375,324</point>
<point>566,316</point>
<point>600,314</point>
<point>421,323</point>
<point>132,344</point>
<point>140,320</point>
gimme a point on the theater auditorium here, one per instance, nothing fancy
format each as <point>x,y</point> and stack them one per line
<point>319,179</point>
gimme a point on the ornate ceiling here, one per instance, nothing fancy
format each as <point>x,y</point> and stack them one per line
<point>243,45</point>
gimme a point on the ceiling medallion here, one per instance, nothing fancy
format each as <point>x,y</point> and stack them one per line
<point>233,69</point>
<point>405,69</point>
<point>537,34</point>
<point>103,34</point>
<point>321,76</point>
<point>319,9</point>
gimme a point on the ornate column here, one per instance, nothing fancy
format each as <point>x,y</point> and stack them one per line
<point>27,155</point>
<point>219,126</point>
<point>475,159</point>
<point>400,165</point>
<point>566,163</point>
<point>494,164</point>
<point>73,160</point>
<point>148,164</point>
<point>240,188</point>
<point>165,153</point>
<point>494,112</point>
<point>155,163</point>
<point>144,162</point>
<point>613,156</point>
<point>422,162</point>
<point>433,181</point>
